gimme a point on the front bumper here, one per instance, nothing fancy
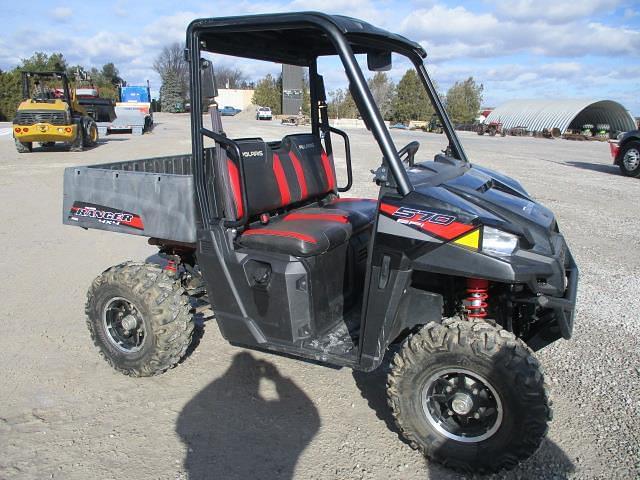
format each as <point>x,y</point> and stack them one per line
<point>44,132</point>
<point>556,295</point>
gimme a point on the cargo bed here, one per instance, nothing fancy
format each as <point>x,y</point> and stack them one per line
<point>150,197</point>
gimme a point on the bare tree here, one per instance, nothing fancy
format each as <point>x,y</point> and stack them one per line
<point>383,92</point>
<point>171,63</point>
<point>227,77</point>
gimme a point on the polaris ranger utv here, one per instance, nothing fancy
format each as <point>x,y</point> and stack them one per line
<point>453,272</point>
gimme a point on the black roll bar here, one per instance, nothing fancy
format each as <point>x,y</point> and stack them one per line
<point>364,100</point>
<point>367,105</point>
<point>347,149</point>
<point>440,110</point>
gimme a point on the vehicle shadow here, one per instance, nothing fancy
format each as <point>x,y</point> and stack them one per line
<point>550,461</point>
<point>595,167</point>
<point>250,423</point>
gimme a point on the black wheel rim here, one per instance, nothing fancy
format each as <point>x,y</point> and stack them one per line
<point>123,325</point>
<point>462,405</point>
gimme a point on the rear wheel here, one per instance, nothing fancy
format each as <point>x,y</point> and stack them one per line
<point>139,318</point>
<point>629,159</point>
<point>469,395</point>
<point>23,147</point>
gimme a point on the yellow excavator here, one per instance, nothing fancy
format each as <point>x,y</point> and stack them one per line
<point>50,113</point>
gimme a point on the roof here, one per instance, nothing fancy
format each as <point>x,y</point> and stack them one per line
<point>295,38</point>
<point>537,114</point>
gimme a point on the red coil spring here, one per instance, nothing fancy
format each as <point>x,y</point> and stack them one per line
<point>171,266</point>
<point>476,303</point>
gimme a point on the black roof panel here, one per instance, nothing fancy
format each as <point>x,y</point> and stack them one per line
<point>295,38</point>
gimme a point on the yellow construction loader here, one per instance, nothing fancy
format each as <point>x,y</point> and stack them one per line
<point>50,113</point>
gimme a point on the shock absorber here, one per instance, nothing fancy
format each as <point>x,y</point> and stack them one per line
<point>476,303</point>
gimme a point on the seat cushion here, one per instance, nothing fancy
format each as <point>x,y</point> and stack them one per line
<point>361,211</point>
<point>299,235</point>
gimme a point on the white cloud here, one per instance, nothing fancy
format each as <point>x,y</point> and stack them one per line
<point>554,11</point>
<point>630,13</point>
<point>449,33</point>
<point>61,13</point>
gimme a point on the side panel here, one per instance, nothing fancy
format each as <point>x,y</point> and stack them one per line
<point>405,231</point>
<point>135,202</point>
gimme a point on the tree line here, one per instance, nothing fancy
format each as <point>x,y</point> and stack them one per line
<point>399,103</point>
<point>408,100</point>
<point>106,79</point>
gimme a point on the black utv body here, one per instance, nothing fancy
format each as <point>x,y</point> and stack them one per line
<point>454,273</point>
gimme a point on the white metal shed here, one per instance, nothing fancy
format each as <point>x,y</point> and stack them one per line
<point>536,115</point>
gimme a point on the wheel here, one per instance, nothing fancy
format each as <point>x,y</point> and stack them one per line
<point>139,319</point>
<point>469,395</point>
<point>90,132</point>
<point>629,159</point>
<point>23,147</point>
<point>77,145</point>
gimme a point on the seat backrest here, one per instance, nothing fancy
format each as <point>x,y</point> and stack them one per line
<point>315,173</point>
<point>297,171</point>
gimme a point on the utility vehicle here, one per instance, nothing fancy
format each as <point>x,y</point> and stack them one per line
<point>50,113</point>
<point>453,273</point>
<point>263,113</point>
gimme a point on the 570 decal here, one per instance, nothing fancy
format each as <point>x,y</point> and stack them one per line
<point>441,225</point>
<point>411,215</point>
<point>106,215</point>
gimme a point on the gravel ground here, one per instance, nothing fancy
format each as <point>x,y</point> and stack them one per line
<point>228,413</point>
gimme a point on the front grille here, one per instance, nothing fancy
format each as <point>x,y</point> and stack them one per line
<point>29,118</point>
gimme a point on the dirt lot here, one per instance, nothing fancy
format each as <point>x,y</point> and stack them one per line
<point>226,413</point>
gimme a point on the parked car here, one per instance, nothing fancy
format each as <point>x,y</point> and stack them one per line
<point>229,111</point>
<point>626,153</point>
<point>263,113</point>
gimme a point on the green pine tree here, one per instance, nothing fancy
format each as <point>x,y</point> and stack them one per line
<point>171,95</point>
<point>268,93</point>
<point>411,101</point>
<point>464,100</point>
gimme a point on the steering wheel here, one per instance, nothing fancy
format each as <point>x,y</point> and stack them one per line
<point>410,150</point>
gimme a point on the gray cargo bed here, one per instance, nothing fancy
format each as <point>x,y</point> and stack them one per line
<point>150,197</point>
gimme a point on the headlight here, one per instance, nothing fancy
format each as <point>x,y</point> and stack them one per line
<point>497,242</point>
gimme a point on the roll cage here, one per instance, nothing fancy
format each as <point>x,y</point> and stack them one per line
<point>299,39</point>
<point>62,76</point>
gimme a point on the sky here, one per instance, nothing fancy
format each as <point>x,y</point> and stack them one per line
<point>515,48</point>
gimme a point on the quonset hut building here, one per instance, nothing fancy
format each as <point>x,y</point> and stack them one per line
<point>537,115</point>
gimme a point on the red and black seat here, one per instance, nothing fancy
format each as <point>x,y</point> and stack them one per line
<point>291,204</point>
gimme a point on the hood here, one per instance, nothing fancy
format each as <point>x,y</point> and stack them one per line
<point>494,199</point>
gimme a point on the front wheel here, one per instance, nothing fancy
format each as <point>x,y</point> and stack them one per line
<point>139,318</point>
<point>90,133</point>
<point>77,145</point>
<point>469,395</point>
<point>629,159</point>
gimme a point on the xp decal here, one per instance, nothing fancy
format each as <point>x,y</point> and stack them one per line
<point>443,225</point>
<point>105,215</point>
